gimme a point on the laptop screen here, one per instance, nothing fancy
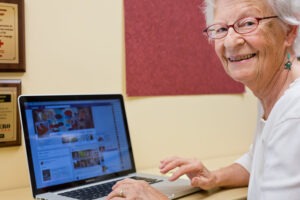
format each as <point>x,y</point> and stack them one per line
<point>73,139</point>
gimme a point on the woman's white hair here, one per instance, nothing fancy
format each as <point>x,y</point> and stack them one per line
<point>287,10</point>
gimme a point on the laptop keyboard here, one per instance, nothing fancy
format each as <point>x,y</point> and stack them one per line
<point>101,190</point>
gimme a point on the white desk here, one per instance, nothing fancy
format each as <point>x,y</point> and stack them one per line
<point>226,194</point>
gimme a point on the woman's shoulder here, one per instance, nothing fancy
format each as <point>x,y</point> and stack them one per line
<point>288,106</point>
<point>293,92</point>
<point>286,110</point>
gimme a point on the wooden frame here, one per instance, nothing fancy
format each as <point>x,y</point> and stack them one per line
<point>10,127</point>
<point>12,36</point>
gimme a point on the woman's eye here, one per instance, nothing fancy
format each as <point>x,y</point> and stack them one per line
<point>249,23</point>
<point>221,30</point>
<point>246,23</point>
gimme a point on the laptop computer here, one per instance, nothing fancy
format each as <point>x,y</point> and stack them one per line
<point>78,142</point>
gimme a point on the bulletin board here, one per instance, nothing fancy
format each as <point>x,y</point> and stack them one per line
<point>167,53</point>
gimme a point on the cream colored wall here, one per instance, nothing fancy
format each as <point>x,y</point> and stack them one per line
<point>77,46</point>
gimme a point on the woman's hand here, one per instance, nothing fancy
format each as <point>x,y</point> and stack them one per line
<point>199,175</point>
<point>134,190</point>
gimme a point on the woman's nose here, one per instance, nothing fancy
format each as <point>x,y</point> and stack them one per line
<point>233,39</point>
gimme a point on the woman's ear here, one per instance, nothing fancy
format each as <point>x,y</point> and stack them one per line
<point>291,34</point>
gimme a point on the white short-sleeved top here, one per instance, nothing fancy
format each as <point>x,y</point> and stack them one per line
<point>274,157</point>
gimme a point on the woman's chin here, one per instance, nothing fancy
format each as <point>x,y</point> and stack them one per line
<point>241,77</point>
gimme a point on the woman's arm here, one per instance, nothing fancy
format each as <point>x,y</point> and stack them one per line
<point>234,175</point>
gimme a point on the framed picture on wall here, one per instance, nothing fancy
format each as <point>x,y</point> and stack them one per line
<point>12,36</point>
<point>10,127</point>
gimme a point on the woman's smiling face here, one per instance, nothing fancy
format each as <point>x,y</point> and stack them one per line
<point>255,57</point>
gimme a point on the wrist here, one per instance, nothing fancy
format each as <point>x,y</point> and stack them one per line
<point>217,176</point>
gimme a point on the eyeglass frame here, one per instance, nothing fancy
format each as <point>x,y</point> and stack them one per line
<point>258,19</point>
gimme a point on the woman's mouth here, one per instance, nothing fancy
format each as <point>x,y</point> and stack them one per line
<point>241,58</point>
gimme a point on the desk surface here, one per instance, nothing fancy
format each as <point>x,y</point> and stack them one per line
<point>224,194</point>
<point>228,194</point>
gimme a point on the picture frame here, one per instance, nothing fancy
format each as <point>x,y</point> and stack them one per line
<point>10,127</point>
<point>12,36</point>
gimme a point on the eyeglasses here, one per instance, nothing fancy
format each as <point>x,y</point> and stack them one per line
<point>242,26</point>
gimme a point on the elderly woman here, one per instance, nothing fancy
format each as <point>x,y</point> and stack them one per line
<point>256,41</point>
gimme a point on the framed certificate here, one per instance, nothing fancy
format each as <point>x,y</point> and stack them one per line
<point>12,37</point>
<point>10,128</point>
